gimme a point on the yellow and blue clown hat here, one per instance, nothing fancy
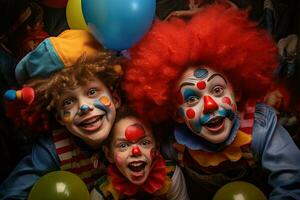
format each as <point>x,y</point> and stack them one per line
<point>50,56</point>
<point>55,53</point>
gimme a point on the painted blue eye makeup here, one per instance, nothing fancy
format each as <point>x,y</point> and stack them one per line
<point>189,93</point>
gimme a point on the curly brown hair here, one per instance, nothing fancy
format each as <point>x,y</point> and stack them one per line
<point>105,66</point>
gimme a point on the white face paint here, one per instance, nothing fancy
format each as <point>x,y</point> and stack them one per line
<point>88,112</point>
<point>132,149</point>
<point>206,103</point>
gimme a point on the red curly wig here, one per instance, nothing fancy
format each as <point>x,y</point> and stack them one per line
<point>220,37</point>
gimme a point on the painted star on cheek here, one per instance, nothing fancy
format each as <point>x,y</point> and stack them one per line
<point>134,133</point>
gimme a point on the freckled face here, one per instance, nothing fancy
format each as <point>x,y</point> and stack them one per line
<point>88,112</point>
<point>206,103</point>
<point>132,149</point>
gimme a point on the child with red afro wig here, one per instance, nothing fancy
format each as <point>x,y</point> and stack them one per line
<point>222,38</point>
<point>206,75</point>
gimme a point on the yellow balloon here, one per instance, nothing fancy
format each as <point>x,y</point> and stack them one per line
<point>59,185</point>
<point>74,14</point>
<point>239,190</point>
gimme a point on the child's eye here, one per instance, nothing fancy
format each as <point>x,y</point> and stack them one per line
<point>67,102</point>
<point>191,96</point>
<point>218,90</point>
<point>145,142</point>
<point>92,92</point>
<point>123,146</point>
<point>192,100</point>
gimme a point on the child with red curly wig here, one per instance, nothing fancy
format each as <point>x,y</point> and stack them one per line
<point>205,75</point>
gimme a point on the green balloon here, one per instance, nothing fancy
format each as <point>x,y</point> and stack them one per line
<point>59,185</point>
<point>239,190</point>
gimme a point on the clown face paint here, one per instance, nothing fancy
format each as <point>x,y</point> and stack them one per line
<point>206,103</point>
<point>132,148</point>
<point>88,112</point>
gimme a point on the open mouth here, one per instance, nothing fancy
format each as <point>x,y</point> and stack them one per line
<point>215,124</point>
<point>92,124</point>
<point>137,166</point>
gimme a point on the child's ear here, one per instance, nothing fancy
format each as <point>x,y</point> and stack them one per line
<point>107,153</point>
<point>116,99</point>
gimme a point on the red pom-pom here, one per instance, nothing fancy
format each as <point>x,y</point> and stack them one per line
<point>27,95</point>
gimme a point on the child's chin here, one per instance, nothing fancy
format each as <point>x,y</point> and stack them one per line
<point>139,180</point>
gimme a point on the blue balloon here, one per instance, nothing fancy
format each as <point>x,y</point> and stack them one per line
<point>118,24</point>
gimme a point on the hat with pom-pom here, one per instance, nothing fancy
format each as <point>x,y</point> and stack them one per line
<point>55,53</point>
<point>50,56</point>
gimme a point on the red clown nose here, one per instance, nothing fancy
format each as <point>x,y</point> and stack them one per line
<point>136,151</point>
<point>209,105</point>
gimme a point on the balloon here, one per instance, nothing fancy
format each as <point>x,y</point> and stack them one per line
<point>118,24</point>
<point>59,185</point>
<point>239,190</point>
<point>74,15</point>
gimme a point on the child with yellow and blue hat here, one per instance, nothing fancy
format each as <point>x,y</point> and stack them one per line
<point>74,79</point>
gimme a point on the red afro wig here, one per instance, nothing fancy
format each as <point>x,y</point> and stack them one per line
<point>219,37</point>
